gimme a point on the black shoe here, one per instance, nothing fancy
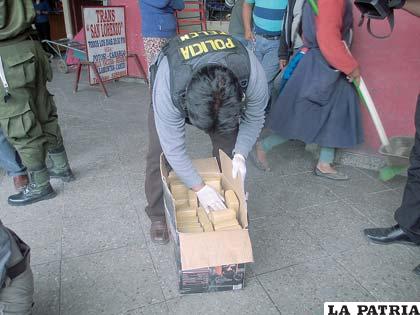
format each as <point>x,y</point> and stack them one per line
<point>389,235</point>
<point>159,232</point>
<point>417,270</point>
<point>28,196</point>
<point>38,189</point>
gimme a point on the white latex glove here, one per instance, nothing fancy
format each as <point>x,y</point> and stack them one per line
<point>210,199</point>
<point>238,166</point>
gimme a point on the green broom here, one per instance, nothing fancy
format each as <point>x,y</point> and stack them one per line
<point>388,172</point>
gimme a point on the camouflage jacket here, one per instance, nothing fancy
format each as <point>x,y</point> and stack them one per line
<point>16,17</point>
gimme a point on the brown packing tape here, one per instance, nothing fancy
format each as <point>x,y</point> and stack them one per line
<point>211,177</point>
<point>181,204</point>
<point>187,211</point>
<point>179,191</point>
<point>191,230</point>
<point>192,199</point>
<point>222,215</point>
<point>172,178</point>
<point>230,228</point>
<point>189,225</point>
<point>231,200</point>
<point>237,185</point>
<point>181,220</point>
<point>202,216</point>
<point>208,227</point>
<point>184,217</point>
<point>226,223</point>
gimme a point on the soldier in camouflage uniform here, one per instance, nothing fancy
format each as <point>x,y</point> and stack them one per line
<point>28,115</point>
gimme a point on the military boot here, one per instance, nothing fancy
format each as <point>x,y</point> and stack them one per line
<point>38,189</point>
<point>60,165</point>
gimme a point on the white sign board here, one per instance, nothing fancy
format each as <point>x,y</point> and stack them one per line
<point>106,41</point>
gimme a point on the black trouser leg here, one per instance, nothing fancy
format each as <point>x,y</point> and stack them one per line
<point>408,215</point>
<point>153,183</point>
<point>44,32</point>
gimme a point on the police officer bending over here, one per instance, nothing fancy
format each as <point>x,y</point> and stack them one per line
<point>407,216</point>
<point>210,80</point>
<point>28,115</point>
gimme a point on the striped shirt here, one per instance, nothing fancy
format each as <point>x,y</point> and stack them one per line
<point>268,16</point>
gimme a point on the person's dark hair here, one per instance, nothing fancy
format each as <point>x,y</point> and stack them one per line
<point>214,99</point>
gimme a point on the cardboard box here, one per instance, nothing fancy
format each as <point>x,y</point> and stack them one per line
<point>210,261</point>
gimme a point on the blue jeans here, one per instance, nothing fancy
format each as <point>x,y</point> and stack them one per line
<point>266,51</point>
<point>9,158</point>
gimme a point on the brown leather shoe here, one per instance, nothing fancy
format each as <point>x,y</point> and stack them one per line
<point>20,182</point>
<point>159,232</point>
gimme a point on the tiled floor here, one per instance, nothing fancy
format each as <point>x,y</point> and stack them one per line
<point>90,248</point>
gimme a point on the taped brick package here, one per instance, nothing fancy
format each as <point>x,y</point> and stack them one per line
<point>211,249</point>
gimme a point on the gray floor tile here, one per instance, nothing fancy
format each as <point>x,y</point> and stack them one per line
<point>47,289</point>
<point>155,309</point>
<point>396,182</point>
<point>288,160</point>
<point>164,261</point>
<point>80,124</point>
<point>133,162</point>
<point>279,242</point>
<point>251,300</point>
<point>378,207</point>
<point>43,236</point>
<point>337,226</point>
<point>359,183</point>
<point>94,192</point>
<point>97,166</point>
<point>135,182</point>
<point>303,289</point>
<point>100,229</point>
<point>34,211</point>
<point>384,270</point>
<point>260,196</point>
<point>112,282</point>
<point>262,206</point>
<point>299,191</point>
<point>40,210</point>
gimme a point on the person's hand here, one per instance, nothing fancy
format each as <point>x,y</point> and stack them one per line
<point>354,76</point>
<point>238,166</point>
<point>282,63</point>
<point>249,35</point>
<point>210,199</point>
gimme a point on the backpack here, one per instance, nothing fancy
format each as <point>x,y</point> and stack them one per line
<point>292,28</point>
<point>10,267</point>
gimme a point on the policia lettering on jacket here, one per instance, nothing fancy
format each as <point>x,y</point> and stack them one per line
<point>189,52</point>
<point>203,47</point>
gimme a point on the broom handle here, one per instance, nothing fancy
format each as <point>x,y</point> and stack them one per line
<point>367,99</point>
<point>363,94</point>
